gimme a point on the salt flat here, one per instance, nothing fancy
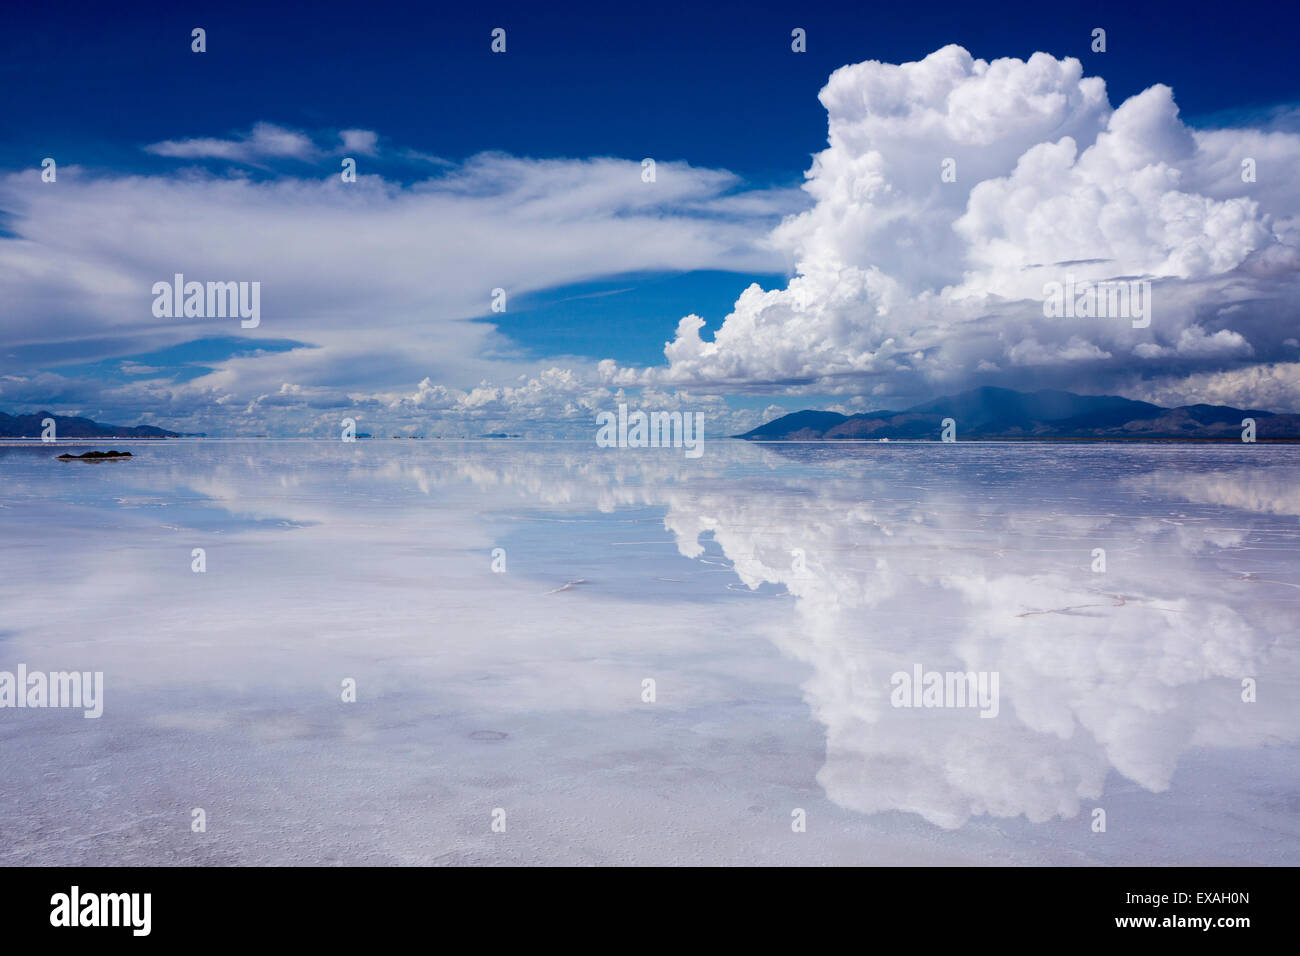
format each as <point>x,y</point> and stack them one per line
<point>768,591</point>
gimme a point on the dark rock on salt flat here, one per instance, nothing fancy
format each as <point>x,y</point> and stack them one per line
<point>96,456</point>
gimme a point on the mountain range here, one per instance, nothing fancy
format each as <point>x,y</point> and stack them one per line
<point>983,413</point>
<point>29,426</point>
<point>1001,413</point>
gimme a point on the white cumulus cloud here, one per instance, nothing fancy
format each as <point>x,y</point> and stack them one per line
<point>954,189</point>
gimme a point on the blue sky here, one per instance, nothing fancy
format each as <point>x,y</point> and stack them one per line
<point>244,140</point>
<point>708,83</point>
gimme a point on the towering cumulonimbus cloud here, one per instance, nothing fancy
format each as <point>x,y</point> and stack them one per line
<point>954,190</point>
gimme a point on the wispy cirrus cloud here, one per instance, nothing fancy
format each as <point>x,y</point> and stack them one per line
<point>263,141</point>
<point>375,279</point>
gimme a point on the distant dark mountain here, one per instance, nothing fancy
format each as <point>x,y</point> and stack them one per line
<point>989,413</point>
<point>797,426</point>
<point>29,426</point>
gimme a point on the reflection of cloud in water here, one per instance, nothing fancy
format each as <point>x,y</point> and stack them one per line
<point>958,558</point>
<point>981,566</point>
<point>1262,490</point>
<point>1124,670</point>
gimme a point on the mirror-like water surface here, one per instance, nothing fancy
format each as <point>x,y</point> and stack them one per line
<point>1125,598</point>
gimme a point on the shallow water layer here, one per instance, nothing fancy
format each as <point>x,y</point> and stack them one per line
<point>1136,606</point>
